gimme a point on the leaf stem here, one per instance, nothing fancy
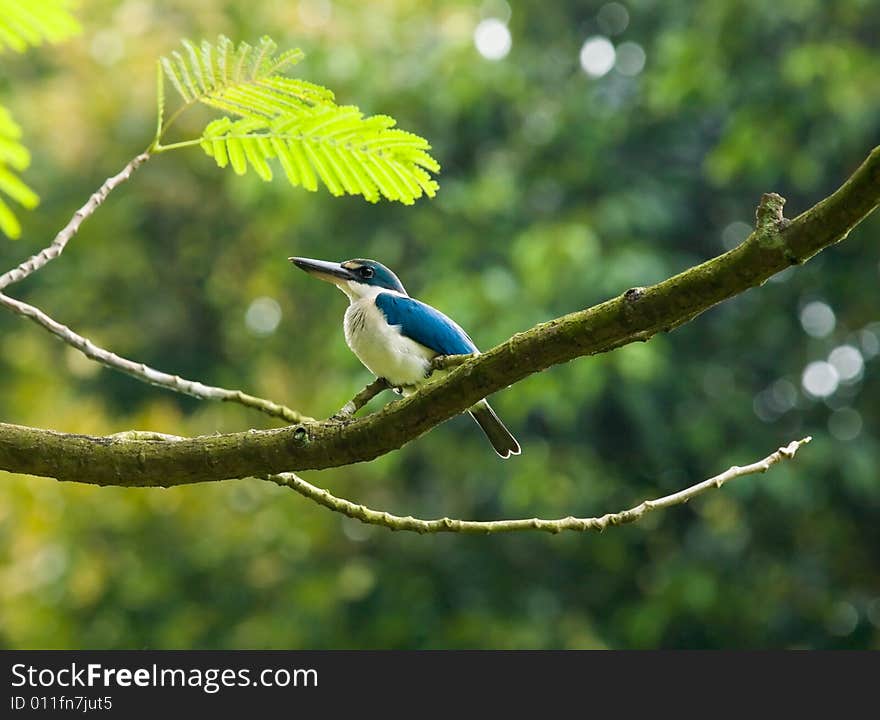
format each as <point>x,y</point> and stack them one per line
<point>176,146</point>
<point>160,105</point>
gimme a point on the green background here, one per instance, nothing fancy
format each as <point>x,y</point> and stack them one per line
<point>558,190</point>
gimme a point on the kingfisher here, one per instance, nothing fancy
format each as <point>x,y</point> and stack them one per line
<point>397,337</point>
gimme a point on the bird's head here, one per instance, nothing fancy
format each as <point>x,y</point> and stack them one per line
<point>356,278</point>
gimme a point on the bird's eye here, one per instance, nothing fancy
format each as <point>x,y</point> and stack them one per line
<point>366,272</point>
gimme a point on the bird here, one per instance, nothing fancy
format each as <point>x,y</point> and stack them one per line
<point>397,337</point>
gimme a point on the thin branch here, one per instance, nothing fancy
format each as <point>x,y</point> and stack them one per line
<point>376,387</point>
<point>105,357</point>
<point>144,372</point>
<point>396,522</point>
<point>37,261</point>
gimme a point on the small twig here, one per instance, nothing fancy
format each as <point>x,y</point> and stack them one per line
<point>396,522</point>
<point>144,372</point>
<point>35,262</point>
<point>362,398</point>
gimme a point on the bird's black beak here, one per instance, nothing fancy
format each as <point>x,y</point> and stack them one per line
<point>327,271</point>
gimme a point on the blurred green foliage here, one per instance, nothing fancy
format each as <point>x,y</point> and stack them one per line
<point>559,189</point>
<point>22,25</point>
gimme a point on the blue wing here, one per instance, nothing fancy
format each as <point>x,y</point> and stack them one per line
<point>425,325</point>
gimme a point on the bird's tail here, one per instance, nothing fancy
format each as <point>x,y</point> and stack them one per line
<point>503,442</point>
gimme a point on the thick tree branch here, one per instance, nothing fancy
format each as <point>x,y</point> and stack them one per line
<point>35,262</point>
<point>395,522</point>
<point>636,315</point>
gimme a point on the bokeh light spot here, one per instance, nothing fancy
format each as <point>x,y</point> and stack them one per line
<point>597,56</point>
<point>134,17</point>
<point>356,579</point>
<point>817,319</point>
<point>613,18</point>
<point>845,424</point>
<point>107,47</point>
<point>848,362</point>
<point>263,316</point>
<point>820,379</point>
<point>496,9</point>
<point>770,404</point>
<point>869,339</point>
<point>762,409</point>
<point>492,39</point>
<point>630,59</point>
<point>784,394</point>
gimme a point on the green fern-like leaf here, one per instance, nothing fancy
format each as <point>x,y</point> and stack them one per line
<point>13,157</point>
<point>242,80</point>
<point>278,120</point>
<point>30,22</point>
<point>336,147</point>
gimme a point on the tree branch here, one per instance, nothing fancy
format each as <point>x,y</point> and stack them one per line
<point>35,262</point>
<point>376,387</point>
<point>105,357</point>
<point>144,372</point>
<point>395,522</point>
<point>635,315</point>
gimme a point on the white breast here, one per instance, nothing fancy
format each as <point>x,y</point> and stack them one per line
<point>382,348</point>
